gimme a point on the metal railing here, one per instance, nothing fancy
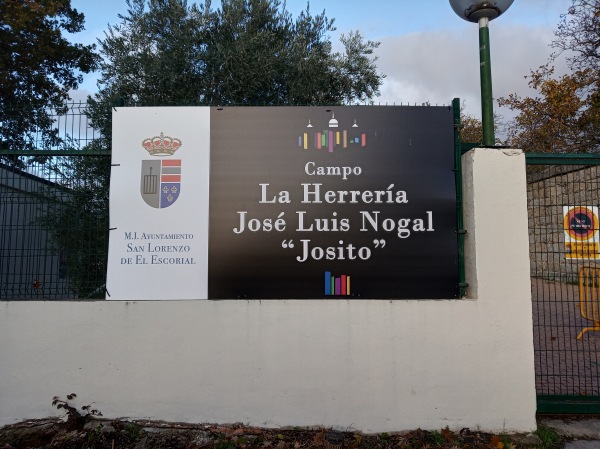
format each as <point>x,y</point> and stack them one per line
<point>567,368</point>
<point>54,213</point>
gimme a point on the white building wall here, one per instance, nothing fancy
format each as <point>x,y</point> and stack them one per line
<point>371,365</point>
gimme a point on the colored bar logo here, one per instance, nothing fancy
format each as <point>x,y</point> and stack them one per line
<point>333,137</point>
<point>337,286</point>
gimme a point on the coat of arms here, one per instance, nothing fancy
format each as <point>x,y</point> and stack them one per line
<point>161,178</point>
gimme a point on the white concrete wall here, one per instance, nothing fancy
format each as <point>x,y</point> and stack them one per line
<point>368,365</point>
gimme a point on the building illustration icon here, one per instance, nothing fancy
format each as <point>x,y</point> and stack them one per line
<point>333,137</point>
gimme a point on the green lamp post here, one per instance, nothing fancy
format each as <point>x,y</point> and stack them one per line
<point>482,11</point>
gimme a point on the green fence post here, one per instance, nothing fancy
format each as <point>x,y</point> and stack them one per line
<point>460,232</point>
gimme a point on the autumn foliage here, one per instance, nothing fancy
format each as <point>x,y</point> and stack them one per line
<point>564,117</point>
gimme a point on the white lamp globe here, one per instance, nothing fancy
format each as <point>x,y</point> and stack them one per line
<point>473,10</point>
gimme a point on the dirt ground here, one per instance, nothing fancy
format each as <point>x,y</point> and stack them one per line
<point>107,434</point>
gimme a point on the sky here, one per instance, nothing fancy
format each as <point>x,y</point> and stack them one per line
<point>427,53</point>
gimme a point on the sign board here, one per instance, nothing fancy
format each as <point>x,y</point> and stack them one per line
<point>283,202</point>
<point>581,232</point>
<point>159,183</point>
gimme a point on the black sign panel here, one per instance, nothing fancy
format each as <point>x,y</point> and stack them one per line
<point>339,202</point>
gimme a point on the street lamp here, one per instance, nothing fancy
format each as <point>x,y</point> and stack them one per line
<point>482,11</point>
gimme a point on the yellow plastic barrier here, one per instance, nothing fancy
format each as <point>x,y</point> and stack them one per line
<point>589,297</point>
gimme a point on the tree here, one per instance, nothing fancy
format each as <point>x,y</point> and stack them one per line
<point>471,130</point>
<point>164,52</point>
<point>579,32</point>
<point>78,221</point>
<point>565,117</point>
<point>248,52</point>
<point>38,67</point>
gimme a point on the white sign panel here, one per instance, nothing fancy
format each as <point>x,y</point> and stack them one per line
<point>159,200</point>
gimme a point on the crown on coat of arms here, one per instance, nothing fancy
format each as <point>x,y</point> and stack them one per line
<point>161,145</point>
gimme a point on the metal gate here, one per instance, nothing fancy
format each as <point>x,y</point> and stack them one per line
<point>563,198</point>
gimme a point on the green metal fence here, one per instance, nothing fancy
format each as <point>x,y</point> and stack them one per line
<point>54,213</point>
<point>567,368</point>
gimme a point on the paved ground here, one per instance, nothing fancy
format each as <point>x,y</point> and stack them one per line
<point>563,364</point>
<point>582,445</point>
<point>583,433</point>
<point>574,428</point>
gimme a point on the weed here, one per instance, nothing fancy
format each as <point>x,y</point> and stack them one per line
<point>436,439</point>
<point>94,437</point>
<point>505,440</point>
<point>133,430</point>
<point>384,438</point>
<point>549,437</point>
<point>224,444</point>
<point>75,419</point>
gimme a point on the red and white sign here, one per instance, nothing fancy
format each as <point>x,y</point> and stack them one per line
<point>581,232</point>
